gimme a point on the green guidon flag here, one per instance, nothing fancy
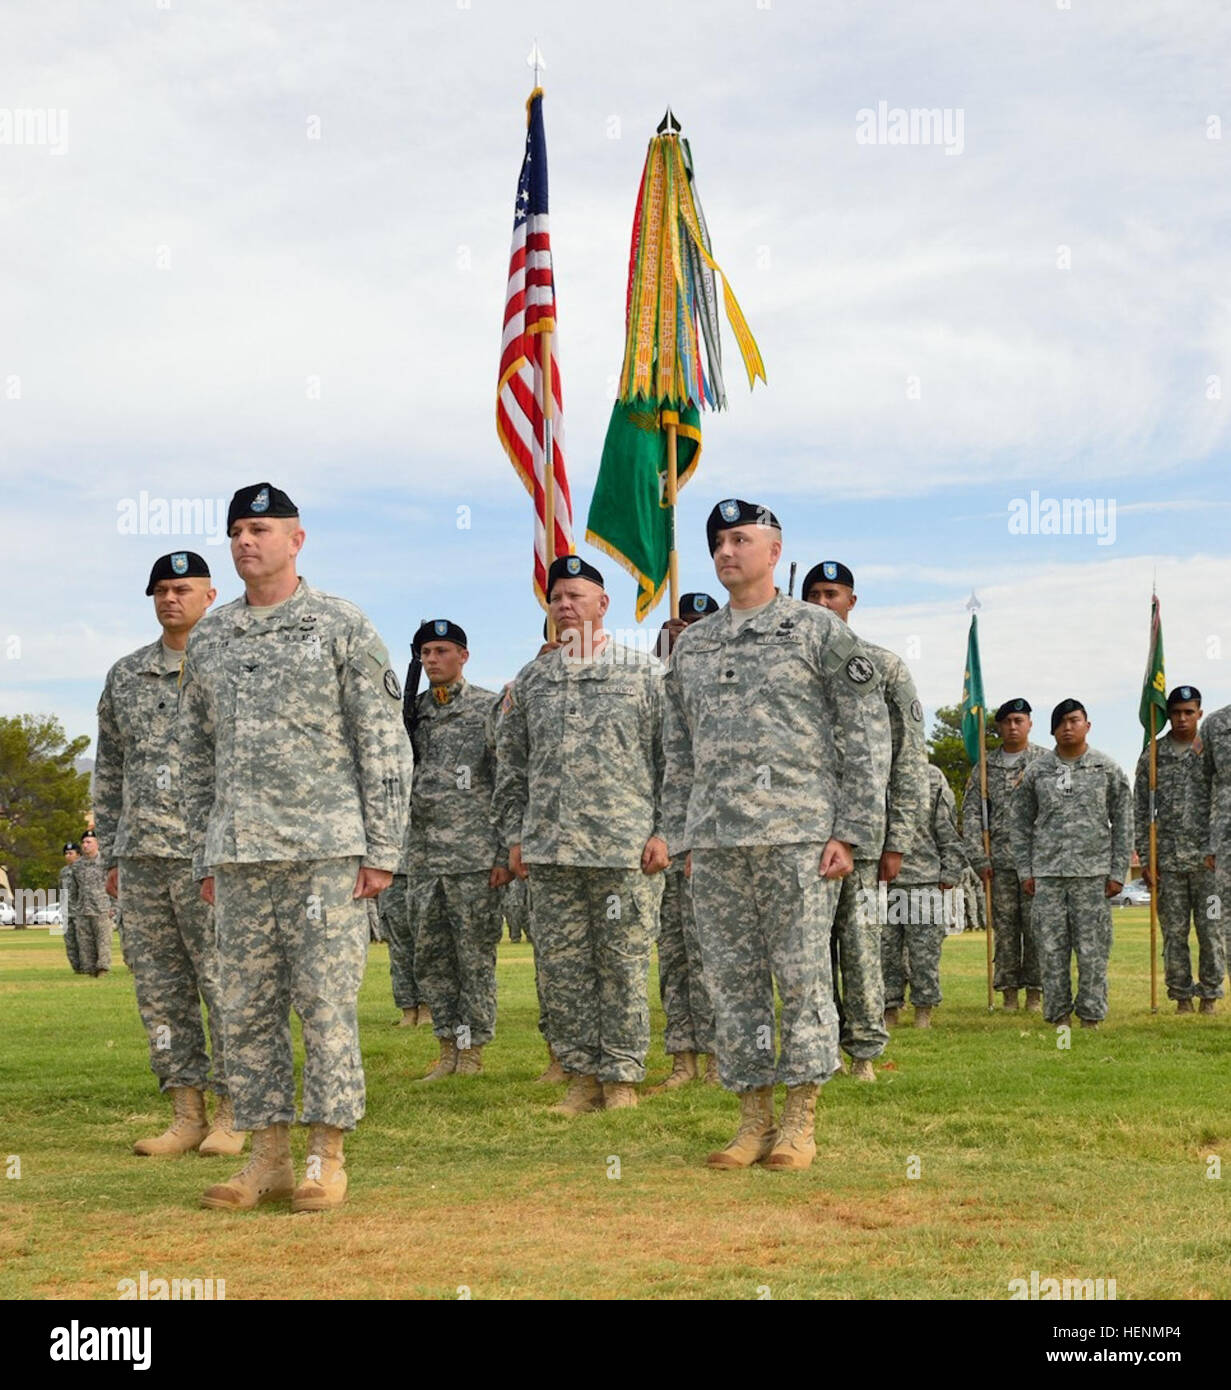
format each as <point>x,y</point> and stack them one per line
<point>629,517</point>
<point>972,693</point>
<point>1154,687</point>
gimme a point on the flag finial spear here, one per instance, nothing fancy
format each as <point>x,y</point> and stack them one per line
<point>535,60</point>
<point>669,125</point>
<point>973,603</point>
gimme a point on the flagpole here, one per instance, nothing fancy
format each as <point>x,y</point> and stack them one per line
<point>549,468</point>
<point>987,854</point>
<point>1153,864</point>
<point>673,565</point>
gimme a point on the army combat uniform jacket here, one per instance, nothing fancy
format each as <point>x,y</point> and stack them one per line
<point>1003,780</point>
<point>1073,818</point>
<point>1182,803</point>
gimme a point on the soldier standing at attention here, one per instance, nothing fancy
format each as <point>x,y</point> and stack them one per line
<point>1185,884</point>
<point>689,1035</point>
<point>578,788</point>
<point>921,905</point>
<point>90,908</point>
<point>72,853</point>
<point>1215,739</point>
<point>856,943</point>
<point>757,790</point>
<point>1072,838</point>
<point>169,942</point>
<point>1016,963</point>
<point>455,862</point>
<point>394,908</point>
<point>295,766</point>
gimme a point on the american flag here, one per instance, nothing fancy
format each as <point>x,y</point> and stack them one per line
<point>528,437</point>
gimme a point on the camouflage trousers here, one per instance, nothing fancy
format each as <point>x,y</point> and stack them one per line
<point>1185,898</point>
<point>71,947</point>
<point>169,946</point>
<point>94,942</point>
<point>1015,963</point>
<point>394,907</point>
<point>763,916</point>
<point>1071,916</point>
<point>290,935</point>
<point>457,925</point>
<point>516,913</point>
<point>910,952</point>
<point>592,932</point>
<point>681,983</point>
<point>858,984</point>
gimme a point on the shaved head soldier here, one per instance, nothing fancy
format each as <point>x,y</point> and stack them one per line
<point>169,941</point>
<point>295,766</point>
<point>772,813</point>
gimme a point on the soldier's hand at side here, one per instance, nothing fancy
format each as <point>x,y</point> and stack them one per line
<point>515,864</point>
<point>112,884</point>
<point>1112,888</point>
<point>371,882</point>
<point>986,874</point>
<point>654,857</point>
<point>1209,861</point>
<point>836,860</point>
<point>207,890</point>
<point>1147,878</point>
<point>688,864</point>
<point>499,876</point>
<point>1028,887</point>
<point>890,866</point>
<point>945,887</point>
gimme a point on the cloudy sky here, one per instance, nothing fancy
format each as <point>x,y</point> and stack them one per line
<point>270,240</point>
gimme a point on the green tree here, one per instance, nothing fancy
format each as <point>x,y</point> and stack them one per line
<point>43,798</point>
<point>947,750</point>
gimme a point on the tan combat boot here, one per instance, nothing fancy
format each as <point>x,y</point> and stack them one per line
<point>1034,1001</point>
<point>324,1184</point>
<point>862,1069</point>
<point>186,1130</point>
<point>683,1070</point>
<point>223,1137</point>
<point>1089,1023</point>
<point>754,1140</point>
<point>268,1176</point>
<point>1209,1006</point>
<point>410,1017</point>
<point>891,1017</point>
<point>555,1073</point>
<point>1064,1021</point>
<point>923,1016</point>
<point>583,1095</point>
<point>619,1095</point>
<point>711,1068</point>
<point>469,1061</point>
<point>424,1018</point>
<point>446,1063</point>
<point>1010,997</point>
<point>1184,1006</point>
<point>796,1146</point>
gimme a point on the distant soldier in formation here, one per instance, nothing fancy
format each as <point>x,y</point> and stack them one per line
<point>1016,964</point>
<point>920,907</point>
<point>72,852</point>
<point>394,908</point>
<point>169,942</point>
<point>1072,838</point>
<point>757,790</point>
<point>856,942</point>
<point>578,797</point>
<point>90,908</point>
<point>295,766</point>
<point>1215,738</point>
<point>689,1034</point>
<point>456,864</point>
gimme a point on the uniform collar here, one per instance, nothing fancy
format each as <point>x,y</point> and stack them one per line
<point>454,693</point>
<point>765,621</point>
<point>286,613</point>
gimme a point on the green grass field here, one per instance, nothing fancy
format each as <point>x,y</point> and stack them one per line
<point>1086,1163</point>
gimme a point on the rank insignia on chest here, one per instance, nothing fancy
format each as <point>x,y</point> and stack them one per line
<point>727,675</point>
<point>441,695</point>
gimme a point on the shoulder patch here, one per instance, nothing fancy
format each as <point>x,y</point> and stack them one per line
<point>916,711</point>
<point>860,670</point>
<point>392,684</point>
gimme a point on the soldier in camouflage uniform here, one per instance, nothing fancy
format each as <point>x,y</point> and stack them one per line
<point>90,908</point>
<point>1072,835</point>
<point>859,987</point>
<point>1016,961</point>
<point>1215,739</point>
<point>689,1034</point>
<point>169,942</point>
<point>578,787</point>
<point>922,905</point>
<point>516,913</point>
<point>394,907</point>
<point>456,864</point>
<point>72,853</point>
<point>756,789</point>
<point>1185,884</point>
<point>295,766</point>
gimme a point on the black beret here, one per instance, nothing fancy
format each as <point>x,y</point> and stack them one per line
<point>70,845</point>
<point>1012,707</point>
<point>693,606</point>
<point>261,499</point>
<point>571,567</point>
<point>89,835</point>
<point>1183,692</point>
<point>1063,708</point>
<point>438,630</point>
<point>735,512</point>
<point>180,564</point>
<point>827,572</point>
